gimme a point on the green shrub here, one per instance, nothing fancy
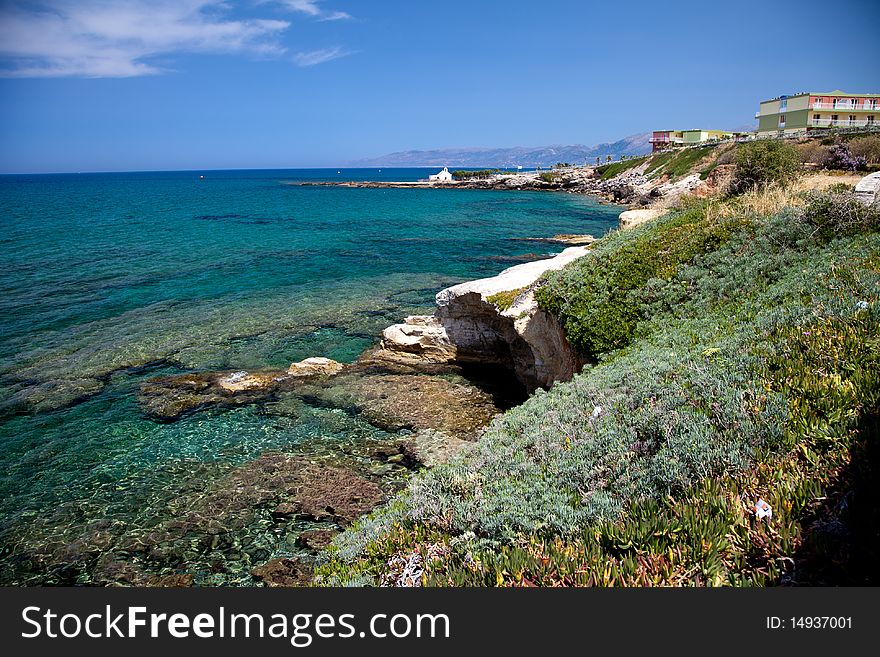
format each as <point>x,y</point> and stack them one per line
<point>466,174</point>
<point>548,177</point>
<point>592,298</point>
<point>837,212</point>
<point>504,300</point>
<point>765,162</point>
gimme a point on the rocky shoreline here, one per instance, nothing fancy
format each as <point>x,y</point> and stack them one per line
<point>410,385</point>
<point>631,188</point>
<point>430,387</point>
<point>491,321</point>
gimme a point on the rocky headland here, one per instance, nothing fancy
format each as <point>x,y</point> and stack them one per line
<point>491,321</point>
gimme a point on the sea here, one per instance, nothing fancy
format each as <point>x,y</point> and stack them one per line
<point>108,280</point>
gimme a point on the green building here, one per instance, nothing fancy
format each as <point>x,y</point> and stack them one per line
<point>813,110</point>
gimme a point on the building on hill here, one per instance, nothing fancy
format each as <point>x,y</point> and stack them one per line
<point>442,176</point>
<point>812,111</point>
<point>661,139</point>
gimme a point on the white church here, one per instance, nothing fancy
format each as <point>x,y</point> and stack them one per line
<point>443,176</point>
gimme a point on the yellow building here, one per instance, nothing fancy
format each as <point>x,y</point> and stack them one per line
<point>668,138</point>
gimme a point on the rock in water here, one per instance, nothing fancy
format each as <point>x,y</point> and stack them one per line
<point>432,448</point>
<point>283,572</point>
<point>167,398</point>
<point>316,539</point>
<point>422,336</point>
<point>315,366</point>
<point>240,381</point>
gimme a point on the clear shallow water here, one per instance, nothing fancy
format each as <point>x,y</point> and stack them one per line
<point>109,279</point>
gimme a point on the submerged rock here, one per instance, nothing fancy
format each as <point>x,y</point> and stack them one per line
<point>283,572</point>
<point>424,402</point>
<point>175,580</point>
<point>315,366</point>
<point>410,401</point>
<point>316,539</point>
<point>50,395</point>
<point>169,397</point>
<point>432,448</point>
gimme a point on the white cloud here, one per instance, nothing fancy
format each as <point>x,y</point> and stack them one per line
<point>335,16</point>
<point>117,38</point>
<point>309,7</point>
<point>314,57</point>
<point>312,8</point>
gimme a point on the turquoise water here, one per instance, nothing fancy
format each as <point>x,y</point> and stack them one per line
<point>110,279</point>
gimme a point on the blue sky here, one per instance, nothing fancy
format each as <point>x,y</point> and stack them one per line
<point>103,85</point>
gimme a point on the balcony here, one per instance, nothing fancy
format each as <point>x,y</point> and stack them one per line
<point>841,123</point>
<point>666,140</point>
<point>859,107</point>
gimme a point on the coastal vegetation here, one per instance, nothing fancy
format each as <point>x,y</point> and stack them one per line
<point>678,162</point>
<point>842,152</point>
<point>607,171</point>
<point>867,147</point>
<point>765,162</point>
<point>733,357</point>
<point>467,174</point>
<point>504,300</point>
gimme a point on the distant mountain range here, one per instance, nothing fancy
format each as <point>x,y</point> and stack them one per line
<point>510,157</point>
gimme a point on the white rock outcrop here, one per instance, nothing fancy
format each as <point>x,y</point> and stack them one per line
<point>468,328</point>
<point>868,188</point>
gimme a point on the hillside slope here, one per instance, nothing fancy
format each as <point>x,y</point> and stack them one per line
<point>736,360</point>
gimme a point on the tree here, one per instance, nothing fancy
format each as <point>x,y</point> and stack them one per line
<point>765,162</point>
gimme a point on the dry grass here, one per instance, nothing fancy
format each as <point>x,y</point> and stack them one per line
<point>773,199</point>
<point>826,179</point>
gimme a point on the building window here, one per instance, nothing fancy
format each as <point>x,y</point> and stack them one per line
<point>871,119</point>
<point>782,120</point>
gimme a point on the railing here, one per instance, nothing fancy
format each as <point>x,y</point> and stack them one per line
<point>840,123</point>
<point>864,107</point>
<point>666,140</point>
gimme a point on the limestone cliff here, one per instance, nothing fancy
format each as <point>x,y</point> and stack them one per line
<point>491,321</point>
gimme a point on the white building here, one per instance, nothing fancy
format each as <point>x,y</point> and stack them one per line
<point>443,176</point>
